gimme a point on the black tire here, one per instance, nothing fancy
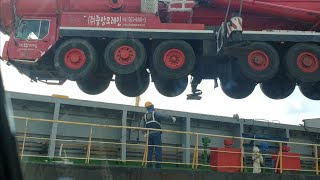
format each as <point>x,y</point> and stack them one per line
<point>94,85</point>
<point>292,67</point>
<point>133,85</point>
<point>163,70</point>
<point>170,87</point>
<point>138,61</point>
<point>310,91</point>
<point>237,89</point>
<point>82,71</point>
<point>264,71</point>
<point>279,87</point>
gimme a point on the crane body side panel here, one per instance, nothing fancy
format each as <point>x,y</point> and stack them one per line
<point>122,20</point>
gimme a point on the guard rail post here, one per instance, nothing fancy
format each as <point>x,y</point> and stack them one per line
<point>316,159</point>
<point>89,147</point>
<point>281,168</point>
<point>241,147</point>
<point>195,153</point>
<point>24,138</point>
<point>145,156</point>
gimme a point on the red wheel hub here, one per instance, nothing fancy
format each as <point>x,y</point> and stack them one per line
<point>258,60</point>
<point>75,58</point>
<point>174,58</point>
<point>125,55</point>
<point>308,62</point>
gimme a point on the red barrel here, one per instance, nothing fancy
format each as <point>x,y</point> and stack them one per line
<point>228,142</point>
<point>286,148</point>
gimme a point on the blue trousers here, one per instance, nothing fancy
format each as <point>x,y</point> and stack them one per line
<point>155,140</point>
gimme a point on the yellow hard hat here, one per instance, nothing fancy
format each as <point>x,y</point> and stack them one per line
<point>148,104</point>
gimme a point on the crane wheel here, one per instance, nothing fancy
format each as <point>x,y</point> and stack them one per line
<point>94,85</point>
<point>237,88</point>
<point>74,59</point>
<point>279,87</point>
<point>170,87</point>
<point>125,56</point>
<point>261,63</point>
<point>310,90</point>
<point>173,59</point>
<point>303,62</point>
<point>133,85</point>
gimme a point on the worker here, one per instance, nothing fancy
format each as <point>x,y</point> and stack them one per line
<point>257,160</point>
<point>152,119</point>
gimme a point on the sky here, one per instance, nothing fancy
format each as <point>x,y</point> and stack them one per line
<point>291,110</point>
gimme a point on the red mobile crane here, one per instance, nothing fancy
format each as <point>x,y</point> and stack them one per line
<point>241,42</point>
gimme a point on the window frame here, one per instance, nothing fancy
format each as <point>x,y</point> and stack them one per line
<point>16,29</point>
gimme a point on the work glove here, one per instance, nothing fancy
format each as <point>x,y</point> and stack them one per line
<point>174,119</point>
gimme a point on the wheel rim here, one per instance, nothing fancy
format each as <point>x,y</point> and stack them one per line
<point>258,60</point>
<point>174,59</point>
<point>307,62</point>
<point>75,58</point>
<point>125,55</point>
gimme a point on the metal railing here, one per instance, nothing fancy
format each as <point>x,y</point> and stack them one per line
<point>196,149</point>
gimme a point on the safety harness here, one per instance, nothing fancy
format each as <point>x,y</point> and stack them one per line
<point>153,120</point>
